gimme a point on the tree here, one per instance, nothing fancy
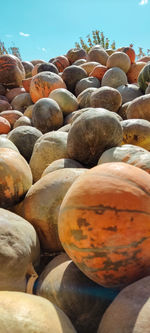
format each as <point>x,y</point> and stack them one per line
<point>11,50</point>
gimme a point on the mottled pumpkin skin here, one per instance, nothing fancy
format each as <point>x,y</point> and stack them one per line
<point>11,71</point>
<point>104,224</point>
<point>15,177</point>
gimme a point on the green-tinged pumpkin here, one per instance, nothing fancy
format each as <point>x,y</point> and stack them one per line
<point>144,77</point>
<point>104,224</point>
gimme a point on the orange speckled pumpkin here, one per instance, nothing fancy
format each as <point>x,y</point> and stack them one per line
<point>5,126</point>
<point>15,177</point>
<point>43,83</point>
<point>104,224</point>
<point>98,71</point>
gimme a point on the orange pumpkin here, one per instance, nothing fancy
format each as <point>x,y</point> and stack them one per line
<point>134,71</point>
<point>61,62</point>
<point>104,224</point>
<point>5,126</point>
<point>130,52</point>
<point>98,71</point>
<point>15,177</point>
<point>43,83</point>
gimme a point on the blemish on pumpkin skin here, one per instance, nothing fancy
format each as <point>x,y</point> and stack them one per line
<point>111,228</point>
<point>82,222</point>
<point>78,235</point>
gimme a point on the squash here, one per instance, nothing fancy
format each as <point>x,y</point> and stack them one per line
<point>83,301</point>
<point>4,105</point>
<point>98,71</point>
<point>26,84</point>
<point>139,108</point>
<point>85,83</point>
<point>20,247</point>
<point>65,99</point>
<point>130,311</point>
<point>6,143</point>
<point>97,54</point>
<point>47,67</point>
<point>134,71</point>
<point>104,224</point>
<point>84,97</point>
<point>23,121</point>
<point>23,313</point>
<point>127,153</point>
<point>24,137</point>
<point>11,93</point>
<point>144,77</point>
<point>43,83</point>
<point>91,133</point>
<point>88,66</point>
<point>119,59</point>
<point>11,116</point>
<point>42,202</point>
<point>71,75</point>
<point>5,126</point>
<point>21,102</point>
<point>48,148</point>
<point>47,115</point>
<point>107,98</point>
<point>129,92</point>
<point>11,71</point>
<point>76,54</point>
<point>15,177</point>
<point>114,77</point>
<point>130,52</point>
<point>61,62</point>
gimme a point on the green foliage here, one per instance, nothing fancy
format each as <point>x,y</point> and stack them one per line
<point>98,38</point>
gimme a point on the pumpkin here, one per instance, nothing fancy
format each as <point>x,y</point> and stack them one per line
<point>119,59</point>
<point>85,83</point>
<point>127,153</point>
<point>4,105</point>
<point>26,84</point>
<point>130,311</point>
<point>61,62</point>
<point>23,121</point>
<point>79,62</point>
<point>107,98</point>
<point>47,67</point>
<point>136,132</point>
<point>11,116</point>
<point>11,93</point>
<point>35,68</point>
<point>139,108</point>
<point>28,111</point>
<point>21,102</point>
<point>104,224</point>
<point>84,302</point>
<point>84,97</point>
<point>19,247</point>
<point>11,71</point>
<point>62,163</point>
<point>65,99</point>
<point>43,83</point>
<point>24,137</point>
<point>89,66</point>
<point>144,77</point>
<point>76,54</point>
<point>91,133</point>
<point>48,148</point>
<point>98,71</point>
<point>28,66</point>
<point>65,128</point>
<point>98,54</point>
<point>122,110</point>
<point>130,52</point>
<point>71,75</point>
<point>129,92</point>
<point>23,313</point>
<point>42,202</point>
<point>134,71</point>
<point>47,115</point>
<point>6,143</point>
<point>5,126</point>
<point>15,177</point>
<point>114,77</point>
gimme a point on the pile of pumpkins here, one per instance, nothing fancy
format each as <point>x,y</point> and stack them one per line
<point>75,193</point>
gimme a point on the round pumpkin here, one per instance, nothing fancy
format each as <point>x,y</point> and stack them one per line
<point>11,71</point>
<point>84,302</point>
<point>11,116</point>
<point>6,143</point>
<point>5,126</point>
<point>114,77</point>
<point>15,177</point>
<point>89,66</point>
<point>129,92</point>
<point>26,84</point>
<point>144,77</point>
<point>47,67</point>
<point>4,105</point>
<point>28,66</point>
<point>61,62</point>
<point>139,108</point>
<point>23,313</point>
<point>21,102</point>
<point>134,71</point>
<point>47,115</point>
<point>11,93</point>
<point>71,75</point>
<point>65,99</point>
<point>107,98</point>
<point>19,247</point>
<point>43,83</point>
<point>119,59</point>
<point>98,71</point>
<point>104,224</point>
<point>130,311</point>
<point>98,54</point>
<point>91,133</point>
<point>42,202</point>
<point>76,54</point>
<point>23,121</point>
<point>85,83</point>
<point>84,97</point>
<point>130,52</point>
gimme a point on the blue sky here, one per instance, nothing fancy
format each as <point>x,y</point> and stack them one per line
<point>43,29</point>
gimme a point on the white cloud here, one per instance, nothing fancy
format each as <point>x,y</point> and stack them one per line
<point>43,49</point>
<point>23,34</point>
<point>143,2</point>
